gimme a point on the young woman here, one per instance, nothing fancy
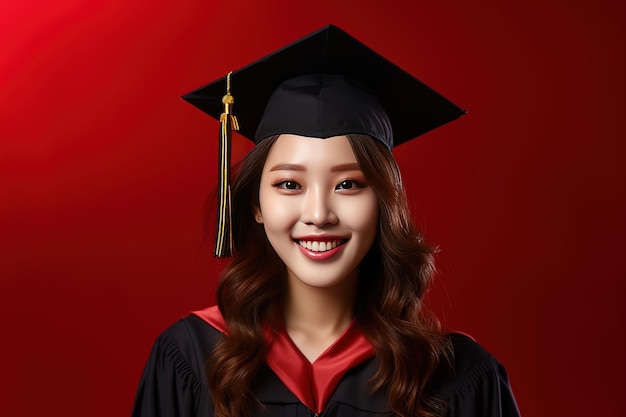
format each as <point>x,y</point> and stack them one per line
<point>320,312</point>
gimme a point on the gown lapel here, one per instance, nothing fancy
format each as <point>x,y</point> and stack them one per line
<point>313,384</point>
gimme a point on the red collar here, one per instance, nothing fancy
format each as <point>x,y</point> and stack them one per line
<point>312,383</point>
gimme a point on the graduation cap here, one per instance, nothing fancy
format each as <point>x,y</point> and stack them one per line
<point>323,85</point>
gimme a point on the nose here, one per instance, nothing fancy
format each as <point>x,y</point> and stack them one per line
<point>318,208</point>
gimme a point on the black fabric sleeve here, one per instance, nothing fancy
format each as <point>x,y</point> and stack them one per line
<point>172,383</point>
<point>485,392</point>
<point>479,385</point>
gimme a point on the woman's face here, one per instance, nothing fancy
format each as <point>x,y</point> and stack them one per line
<point>319,213</point>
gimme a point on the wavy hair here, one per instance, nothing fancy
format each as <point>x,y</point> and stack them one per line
<point>393,280</point>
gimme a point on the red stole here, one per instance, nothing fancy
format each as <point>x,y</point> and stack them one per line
<point>312,383</point>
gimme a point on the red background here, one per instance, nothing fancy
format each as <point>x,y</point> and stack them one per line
<point>104,172</point>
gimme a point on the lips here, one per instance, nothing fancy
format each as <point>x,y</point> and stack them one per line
<point>320,245</point>
<point>320,248</point>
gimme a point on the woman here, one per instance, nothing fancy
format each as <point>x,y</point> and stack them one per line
<point>321,310</point>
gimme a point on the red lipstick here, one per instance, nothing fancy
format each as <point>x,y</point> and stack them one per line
<point>320,248</point>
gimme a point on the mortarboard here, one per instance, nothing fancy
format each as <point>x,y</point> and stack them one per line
<point>323,85</point>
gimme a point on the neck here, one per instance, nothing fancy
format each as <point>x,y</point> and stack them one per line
<point>324,311</point>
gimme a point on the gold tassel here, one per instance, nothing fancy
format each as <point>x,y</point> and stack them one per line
<point>228,123</point>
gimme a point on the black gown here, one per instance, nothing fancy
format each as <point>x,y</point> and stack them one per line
<point>173,382</point>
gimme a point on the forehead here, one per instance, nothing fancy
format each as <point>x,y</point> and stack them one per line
<point>303,150</point>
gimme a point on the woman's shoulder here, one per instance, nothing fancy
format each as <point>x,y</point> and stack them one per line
<point>182,350</point>
<point>470,362</point>
<point>192,336</point>
<point>468,353</point>
<point>473,380</point>
<point>173,382</point>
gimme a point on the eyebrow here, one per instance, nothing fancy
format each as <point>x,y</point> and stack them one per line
<point>353,166</point>
<point>288,167</point>
<point>346,167</point>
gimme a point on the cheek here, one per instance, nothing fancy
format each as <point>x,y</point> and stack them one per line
<point>362,215</point>
<point>276,211</point>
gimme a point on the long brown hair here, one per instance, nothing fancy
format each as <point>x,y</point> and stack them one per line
<point>393,280</point>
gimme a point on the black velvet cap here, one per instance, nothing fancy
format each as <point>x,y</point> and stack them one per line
<point>328,84</point>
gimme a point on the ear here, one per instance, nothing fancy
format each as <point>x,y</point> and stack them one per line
<point>258,216</point>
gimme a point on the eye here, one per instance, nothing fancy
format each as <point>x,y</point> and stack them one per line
<point>287,185</point>
<point>349,185</point>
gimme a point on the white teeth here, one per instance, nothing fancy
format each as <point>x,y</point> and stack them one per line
<point>317,246</point>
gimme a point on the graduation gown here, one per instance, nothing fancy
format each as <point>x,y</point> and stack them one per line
<point>173,383</point>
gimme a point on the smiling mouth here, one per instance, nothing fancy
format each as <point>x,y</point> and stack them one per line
<point>321,246</point>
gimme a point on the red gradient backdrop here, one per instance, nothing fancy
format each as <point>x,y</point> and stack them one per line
<point>104,171</point>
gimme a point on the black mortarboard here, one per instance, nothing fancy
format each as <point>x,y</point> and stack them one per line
<point>412,107</point>
<point>325,84</point>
